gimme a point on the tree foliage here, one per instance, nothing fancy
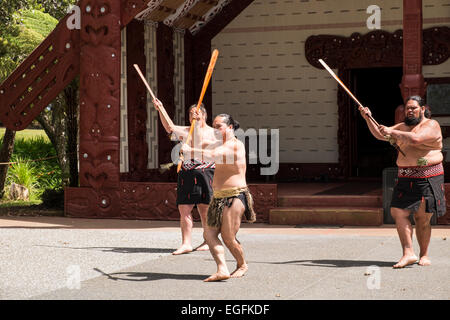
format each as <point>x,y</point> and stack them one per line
<point>9,7</point>
<point>23,26</point>
<point>56,8</point>
<point>28,29</point>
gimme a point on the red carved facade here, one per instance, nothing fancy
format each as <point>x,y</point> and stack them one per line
<point>94,53</point>
<point>100,50</point>
<point>150,200</point>
<point>104,192</point>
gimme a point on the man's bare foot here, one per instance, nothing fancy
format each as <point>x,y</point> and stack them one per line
<point>202,247</point>
<point>424,261</point>
<point>183,249</point>
<point>240,271</point>
<point>405,261</point>
<point>217,277</point>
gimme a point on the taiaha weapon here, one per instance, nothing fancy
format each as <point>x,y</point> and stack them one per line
<point>359,103</point>
<point>163,111</point>
<point>208,75</point>
<point>165,166</point>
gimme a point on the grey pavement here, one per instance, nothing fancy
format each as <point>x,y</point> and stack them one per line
<point>132,260</point>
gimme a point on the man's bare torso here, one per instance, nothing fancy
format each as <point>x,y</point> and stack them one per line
<point>230,165</point>
<point>431,151</point>
<point>202,137</point>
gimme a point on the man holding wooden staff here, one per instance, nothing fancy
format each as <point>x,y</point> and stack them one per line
<point>231,199</point>
<point>194,186</point>
<point>420,187</point>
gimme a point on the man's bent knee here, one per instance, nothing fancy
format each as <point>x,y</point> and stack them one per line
<point>423,218</point>
<point>229,240</point>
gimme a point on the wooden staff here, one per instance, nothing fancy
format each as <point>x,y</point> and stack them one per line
<point>208,75</point>
<point>163,111</point>
<point>357,101</point>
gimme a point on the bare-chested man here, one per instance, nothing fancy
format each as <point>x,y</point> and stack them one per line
<point>420,187</point>
<point>231,199</point>
<point>194,187</point>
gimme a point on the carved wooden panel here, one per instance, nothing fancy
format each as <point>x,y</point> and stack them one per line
<point>265,198</point>
<point>375,49</point>
<point>99,94</point>
<point>100,49</point>
<point>98,165</point>
<point>89,203</point>
<point>147,200</point>
<point>412,82</point>
<point>40,78</point>
<point>436,45</point>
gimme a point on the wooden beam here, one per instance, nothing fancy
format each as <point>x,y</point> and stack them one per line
<point>413,82</point>
<point>222,19</point>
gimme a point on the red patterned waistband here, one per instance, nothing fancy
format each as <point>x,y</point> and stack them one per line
<point>421,172</point>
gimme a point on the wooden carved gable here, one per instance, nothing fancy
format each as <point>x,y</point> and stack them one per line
<point>375,49</point>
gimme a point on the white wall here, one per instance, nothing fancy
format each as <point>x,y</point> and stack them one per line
<point>263,79</point>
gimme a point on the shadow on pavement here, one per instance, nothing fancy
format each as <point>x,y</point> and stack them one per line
<point>150,276</point>
<point>337,263</point>
<point>117,249</point>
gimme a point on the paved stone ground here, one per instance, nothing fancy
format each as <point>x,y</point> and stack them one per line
<point>118,259</point>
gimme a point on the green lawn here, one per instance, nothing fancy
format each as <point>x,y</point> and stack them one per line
<point>18,203</point>
<point>26,134</point>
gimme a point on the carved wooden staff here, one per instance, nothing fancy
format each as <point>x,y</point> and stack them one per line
<point>359,103</point>
<point>208,75</point>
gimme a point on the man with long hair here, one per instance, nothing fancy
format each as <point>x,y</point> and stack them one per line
<point>420,187</point>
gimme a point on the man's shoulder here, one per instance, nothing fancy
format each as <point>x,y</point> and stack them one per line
<point>430,124</point>
<point>233,143</point>
<point>400,126</point>
<point>433,123</point>
<point>240,143</point>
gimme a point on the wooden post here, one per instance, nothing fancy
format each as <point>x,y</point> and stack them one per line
<point>98,195</point>
<point>413,82</point>
<point>137,102</point>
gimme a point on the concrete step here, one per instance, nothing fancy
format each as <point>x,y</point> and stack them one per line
<point>330,201</point>
<point>335,216</point>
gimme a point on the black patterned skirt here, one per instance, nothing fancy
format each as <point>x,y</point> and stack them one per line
<point>195,186</point>
<point>411,190</point>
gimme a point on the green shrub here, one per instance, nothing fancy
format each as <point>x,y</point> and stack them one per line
<point>41,175</point>
<point>48,171</point>
<point>23,173</point>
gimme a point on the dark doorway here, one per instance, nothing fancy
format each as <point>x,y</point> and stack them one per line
<point>378,89</point>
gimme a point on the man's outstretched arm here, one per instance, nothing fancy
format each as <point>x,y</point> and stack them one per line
<point>366,114</point>
<point>167,123</point>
